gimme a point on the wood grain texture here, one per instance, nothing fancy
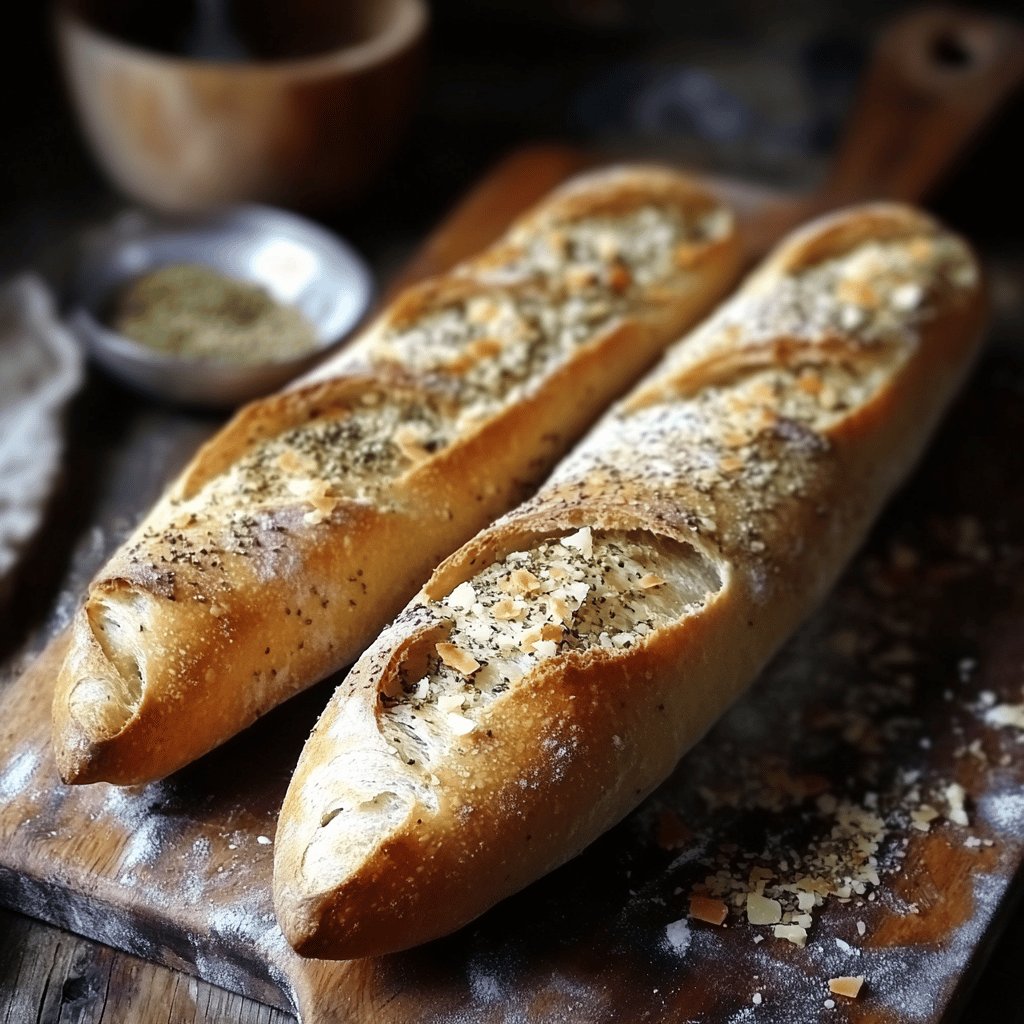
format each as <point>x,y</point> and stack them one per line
<point>51,977</point>
<point>937,74</point>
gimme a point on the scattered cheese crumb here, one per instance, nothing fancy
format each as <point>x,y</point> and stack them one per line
<point>522,581</point>
<point>292,462</point>
<point>703,908</point>
<point>849,987</point>
<point>550,631</point>
<point>481,309</point>
<point>506,609</point>
<point>409,440</point>
<point>463,596</point>
<point>1004,714</point>
<point>451,701</point>
<point>263,840</point>
<point>677,935</point>
<point>907,296</point>
<point>791,933</point>
<point>762,910</point>
<point>560,610</point>
<point>922,817</point>
<point>955,798</point>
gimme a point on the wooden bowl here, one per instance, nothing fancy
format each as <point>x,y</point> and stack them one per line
<point>314,107</point>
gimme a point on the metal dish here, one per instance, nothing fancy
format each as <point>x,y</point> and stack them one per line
<point>295,260</point>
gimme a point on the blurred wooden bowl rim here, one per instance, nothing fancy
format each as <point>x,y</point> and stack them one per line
<point>185,134</point>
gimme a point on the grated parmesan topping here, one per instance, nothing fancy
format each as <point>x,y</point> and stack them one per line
<point>732,433</point>
<point>316,466</point>
<point>576,593</point>
<point>492,348</point>
<point>355,455</point>
<point>876,293</point>
<point>649,244</point>
<point>685,440</point>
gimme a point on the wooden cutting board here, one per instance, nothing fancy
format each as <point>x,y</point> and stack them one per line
<point>841,752</point>
<point>894,676</point>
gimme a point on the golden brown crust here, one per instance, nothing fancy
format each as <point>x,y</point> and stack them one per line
<point>303,527</point>
<point>750,463</point>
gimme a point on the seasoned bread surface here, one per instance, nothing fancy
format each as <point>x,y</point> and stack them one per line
<point>307,523</point>
<point>554,669</point>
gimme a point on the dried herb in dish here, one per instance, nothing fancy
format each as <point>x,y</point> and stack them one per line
<point>194,311</point>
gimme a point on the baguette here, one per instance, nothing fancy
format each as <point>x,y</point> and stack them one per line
<point>553,670</point>
<point>314,515</point>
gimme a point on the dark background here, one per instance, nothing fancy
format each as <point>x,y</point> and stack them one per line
<point>755,89</point>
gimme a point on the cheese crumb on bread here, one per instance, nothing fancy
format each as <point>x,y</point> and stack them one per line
<point>642,247</point>
<point>579,592</point>
<point>846,986</point>
<point>354,452</point>
<point>551,292</point>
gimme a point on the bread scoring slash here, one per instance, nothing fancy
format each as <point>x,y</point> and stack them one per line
<point>305,525</point>
<point>553,670</point>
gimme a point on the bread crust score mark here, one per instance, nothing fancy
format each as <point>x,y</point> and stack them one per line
<point>553,670</point>
<point>306,524</point>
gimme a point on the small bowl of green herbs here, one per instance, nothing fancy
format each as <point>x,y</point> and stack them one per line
<point>218,309</point>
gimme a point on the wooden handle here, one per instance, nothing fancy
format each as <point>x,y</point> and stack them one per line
<point>938,75</point>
